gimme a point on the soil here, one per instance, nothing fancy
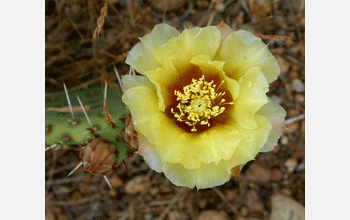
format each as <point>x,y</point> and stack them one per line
<point>78,60</point>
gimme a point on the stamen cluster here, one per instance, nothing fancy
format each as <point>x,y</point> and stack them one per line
<point>199,102</point>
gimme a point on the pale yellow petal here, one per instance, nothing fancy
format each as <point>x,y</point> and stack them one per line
<point>165,134</point>
<point>163,78</point>
<point>252,142</point>
<point>213,144</point>
<point>130,81</point>
<point>206,176</point>
<point>149,154</point>
<point>190,43</point>
<point>141,56</point>
<point>276,115</point>
<point>143,104</point>
<point>252,97</point>
<point>242,50</point>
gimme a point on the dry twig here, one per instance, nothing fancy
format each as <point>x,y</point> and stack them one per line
<point>101,19</point>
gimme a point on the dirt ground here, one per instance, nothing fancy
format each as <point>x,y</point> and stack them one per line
<point>271,187</point>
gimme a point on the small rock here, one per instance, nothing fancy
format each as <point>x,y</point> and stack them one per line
<point>276,175</point>
<point>298,85</point>
<point>295,67</point>
<point>258,173</point>
<point>220,7</point>
<point>291,164</point>
<point>293,74</point>
<point>283,63</point>
<point>213,214</point>
<point>202,203</point>
<point>202,4</point>
<point>284,207</point>
<point>115,181</point>
<point>136,185</point>
<point>231,195</point>
<point>300,98</point>
<point>301,167</point>
<point>292,113</point>
<point>284,140</point>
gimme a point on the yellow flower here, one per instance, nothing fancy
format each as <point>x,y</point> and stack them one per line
<point>200,107</point>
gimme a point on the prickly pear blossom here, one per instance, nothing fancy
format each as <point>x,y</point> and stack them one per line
<point>200,107</point>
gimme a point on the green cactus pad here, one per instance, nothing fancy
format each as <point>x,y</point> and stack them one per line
<point>58,125</point>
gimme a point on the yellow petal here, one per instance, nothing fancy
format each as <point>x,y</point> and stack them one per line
<point>163,78</point>
<point>251,98</point>
<point>242,50</point>
<point>143,104</point>
<point>165,134</point>
<point>213,144</point>
<point>276,115</point>
<point>251,143</point>
<point>130,81</point>
<point>206,176</point>
<point>190,43</point>
<point>141,56</point>
<point>149,154</point>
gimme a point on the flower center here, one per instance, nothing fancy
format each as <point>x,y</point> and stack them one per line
<point>199,102</point>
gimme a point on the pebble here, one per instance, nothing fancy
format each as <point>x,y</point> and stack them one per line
<point>276,175</point>
<point>284,64</point>
<point>136,185</point>
<point>292,113</point>
<point>202,4</point>
<point>301,167</point>
<point>284,207</point>
<point>291,164</point>
<point>300,98</point>
<point>293,74</point>
<point>284,140</point>
<point>258,173</point>
<point>115,181</point>
<point>220,7</point>
<point>231,195</point>
<point>298,85</point>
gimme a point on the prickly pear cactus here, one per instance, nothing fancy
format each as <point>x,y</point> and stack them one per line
<point>61,129</point>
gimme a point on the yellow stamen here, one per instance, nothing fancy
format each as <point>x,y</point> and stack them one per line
<point>199,102</point>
